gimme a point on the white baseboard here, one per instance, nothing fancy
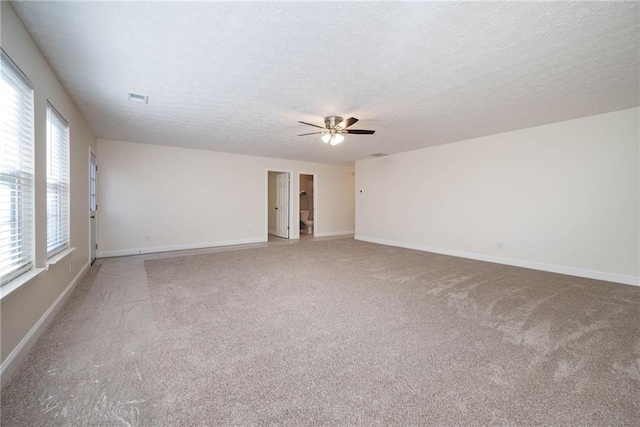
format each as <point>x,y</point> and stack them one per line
<point>170,248</point>
<point>572,271</point>
<point>272,232</point>
<point>18,354</point>
<point>335,233</point>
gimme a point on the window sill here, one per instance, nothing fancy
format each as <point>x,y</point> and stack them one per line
<point>59,256</point>
<point>16,283</point>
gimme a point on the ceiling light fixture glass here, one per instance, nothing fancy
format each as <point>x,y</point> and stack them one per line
<point>337,139</point>
<point>334,139</point>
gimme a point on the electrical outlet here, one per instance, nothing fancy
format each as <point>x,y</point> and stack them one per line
<point>500,246</point>
<point>147,238</point>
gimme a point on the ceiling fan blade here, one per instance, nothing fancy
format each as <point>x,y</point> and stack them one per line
<point>347,122</point>
<point>316,126</point>
<point>312,133</point>
<point>360,131</point>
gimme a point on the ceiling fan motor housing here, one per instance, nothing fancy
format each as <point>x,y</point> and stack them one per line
<point>332,121</point>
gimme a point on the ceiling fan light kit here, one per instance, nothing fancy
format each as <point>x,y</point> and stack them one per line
<point>334,128</point>
<point>336,139</point>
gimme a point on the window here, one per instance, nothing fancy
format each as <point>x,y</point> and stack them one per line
<point>57,182</point>
<point>16,171</point>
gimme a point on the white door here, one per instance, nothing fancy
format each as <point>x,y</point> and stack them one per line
<point>282,205</point>
<point>93,205</point>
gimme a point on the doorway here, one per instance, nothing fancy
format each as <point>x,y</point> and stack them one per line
<point>278,204</point>
<point>307,211</point>
<point>93,205</point>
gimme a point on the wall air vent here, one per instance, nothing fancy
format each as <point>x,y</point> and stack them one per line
<point>137,98</point>
<point>377,155</point>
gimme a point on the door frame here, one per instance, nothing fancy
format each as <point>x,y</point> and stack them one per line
<point>283,200</point>
<point>315,201</point>
<point>292,229</point>
<point>92,151</point>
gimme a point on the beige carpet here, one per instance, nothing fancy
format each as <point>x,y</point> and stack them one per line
<point>333,333</point>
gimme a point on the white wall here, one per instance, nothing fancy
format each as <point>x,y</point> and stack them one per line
<point>562,197</point>
<point>24,311</point>
<point>184,198</point>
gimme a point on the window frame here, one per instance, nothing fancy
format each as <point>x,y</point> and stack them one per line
<point>61,186</point>
<point>23,177</point>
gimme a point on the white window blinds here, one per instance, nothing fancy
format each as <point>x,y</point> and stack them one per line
<point>16,171</point>
<point>57,182</point>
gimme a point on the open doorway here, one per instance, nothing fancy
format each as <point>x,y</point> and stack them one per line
<point>278,204</point>
<point>307,205</point>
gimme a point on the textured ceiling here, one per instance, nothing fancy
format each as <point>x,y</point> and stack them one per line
<point>237,76</point>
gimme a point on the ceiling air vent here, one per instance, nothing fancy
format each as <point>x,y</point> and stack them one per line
<point>137,98</point>
<point>377,155</point>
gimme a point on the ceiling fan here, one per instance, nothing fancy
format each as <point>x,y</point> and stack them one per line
<point>334,127</point>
